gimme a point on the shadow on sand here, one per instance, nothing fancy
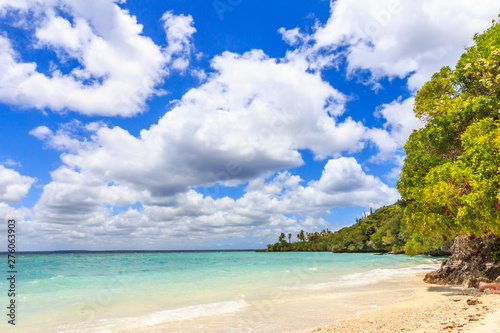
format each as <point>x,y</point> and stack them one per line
<point>454,290</point>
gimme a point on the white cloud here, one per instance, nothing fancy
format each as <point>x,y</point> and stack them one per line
<point>250,117</point>
<point>399,38</point>
<point>247,121</point>
<point>60,34</point>
<point>78,208</point>
<point>25,6</point>
<point>63,140</point>
<point>179,31</point>
<point>392,38</point>
<point>119,68</point>
<point>8,212</point>
<point>293,36</point>
<point>400,122</point>
<point>10,162</point>
<point>73,198</point>
<point>13,186</point>
<point>344,183</point>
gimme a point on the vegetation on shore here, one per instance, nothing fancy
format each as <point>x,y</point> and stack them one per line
<point>451,176</point>
<point>384,230</point>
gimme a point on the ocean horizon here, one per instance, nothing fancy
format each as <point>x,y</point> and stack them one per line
<point>126,251</point>
<point>205,290</point>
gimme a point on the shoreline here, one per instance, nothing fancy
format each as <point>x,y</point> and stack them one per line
<point>432,308</point>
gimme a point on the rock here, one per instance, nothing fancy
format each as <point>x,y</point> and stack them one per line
<point>396,252</point>
<point>442,251</point>
<point>472,301</point>
<point>469,264</point>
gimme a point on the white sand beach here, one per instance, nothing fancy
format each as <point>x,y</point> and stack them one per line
<point>432,309</point>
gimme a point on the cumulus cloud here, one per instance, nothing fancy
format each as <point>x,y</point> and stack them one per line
<point>246,122</point>
<point>13,186</point>
<point>74,207</point>
<point>400,122</point>
<point>72,198</point>
<point>62,140</point>
<point>403,39</point>
<point>251,117</point>
<point>400,38</point>
<point>118,68</point>
<point>343,183</point>
<point>179,30</point>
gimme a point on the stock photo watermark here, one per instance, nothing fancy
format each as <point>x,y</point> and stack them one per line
<point>291,280</point>
<point>11,271</point>
<point>93,304</point>
<point>383,18</point>
<point>223,6</point>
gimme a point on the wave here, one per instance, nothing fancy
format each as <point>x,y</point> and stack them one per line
<point>195,311</point>
<point>162,317</point>
<point>371,276</point>
<point>380,274</point>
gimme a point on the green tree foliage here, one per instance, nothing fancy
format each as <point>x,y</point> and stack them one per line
<point>301,236</point>
<point>384,230</point>
<point>451,176</point>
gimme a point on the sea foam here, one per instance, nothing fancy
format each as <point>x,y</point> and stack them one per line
<point>185,313</point>
<point>368,277</point>
<point>192,312</point>
<point>161,317</point>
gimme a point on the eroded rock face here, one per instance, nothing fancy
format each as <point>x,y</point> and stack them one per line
<point>469,264</point>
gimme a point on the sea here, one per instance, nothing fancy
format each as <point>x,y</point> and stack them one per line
<point>209,291</point>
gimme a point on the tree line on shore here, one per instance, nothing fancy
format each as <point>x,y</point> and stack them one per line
<point>385,230</point>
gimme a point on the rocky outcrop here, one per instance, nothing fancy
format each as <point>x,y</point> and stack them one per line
<point>471,262</point>
<point>442,251</point>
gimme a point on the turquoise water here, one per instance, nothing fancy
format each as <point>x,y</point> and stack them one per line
<point>203,291</point>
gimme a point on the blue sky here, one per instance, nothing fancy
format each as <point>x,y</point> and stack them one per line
<point>211,124</point>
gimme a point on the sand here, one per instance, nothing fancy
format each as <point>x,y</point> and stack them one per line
<point>432,309</point>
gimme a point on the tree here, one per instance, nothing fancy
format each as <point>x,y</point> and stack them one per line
<point>290,237</point>
<point>301,236</point>
<point>282,237</point>
<point>451,175</point>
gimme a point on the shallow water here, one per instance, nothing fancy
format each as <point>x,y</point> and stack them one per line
<point>205,291</point>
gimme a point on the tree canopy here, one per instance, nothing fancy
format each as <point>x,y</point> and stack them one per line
<point>451,175</point>
<point>383,231</point>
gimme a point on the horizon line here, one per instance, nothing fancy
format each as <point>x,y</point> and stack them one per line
<point>126,251</point>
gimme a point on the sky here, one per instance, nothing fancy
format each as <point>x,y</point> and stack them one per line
<point>174,125</point>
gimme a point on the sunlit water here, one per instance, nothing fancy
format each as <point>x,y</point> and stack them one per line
<point>204,291</point>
